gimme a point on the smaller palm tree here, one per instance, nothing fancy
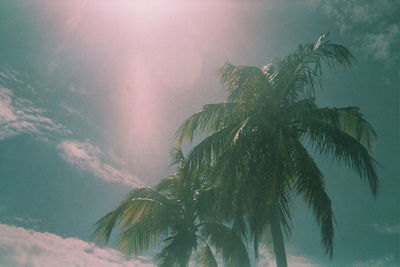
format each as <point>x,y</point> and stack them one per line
<point>172,216</point>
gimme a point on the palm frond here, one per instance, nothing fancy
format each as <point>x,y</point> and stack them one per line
<point>348,119</point>
<point>213,117</point>
<point>243,83</point>
<point>167,184</point>
<point>310,183</point>
<point>331,140</point>
<point>352,123</point>
<point>299,74</point>
<point>225,240</point>
<point>177,156</point>
<point>205,257</point>
<point>177,251</point>
<point>202,156</point>
<point>285,209</point>
<point>138,203</point>
<point>143,233</point>
<point>144,202</point>
<point>107,223</point>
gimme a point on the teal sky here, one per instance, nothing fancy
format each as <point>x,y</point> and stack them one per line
<point>91,94</point>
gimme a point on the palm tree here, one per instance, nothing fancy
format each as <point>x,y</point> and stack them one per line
<point>257,143</point>
<point>172,214</point>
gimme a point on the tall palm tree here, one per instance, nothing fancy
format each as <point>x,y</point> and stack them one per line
<point>257,143</point>
<point>173,214</point>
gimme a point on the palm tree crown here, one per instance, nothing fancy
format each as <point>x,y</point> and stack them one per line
<point>173,214</point>
<point>256,149</point>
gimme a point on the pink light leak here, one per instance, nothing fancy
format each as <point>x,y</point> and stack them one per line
<point>156,53</point>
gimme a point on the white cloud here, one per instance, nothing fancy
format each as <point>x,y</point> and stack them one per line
<point>387,229</point>
<point>370,22</point>
<point>18,116</point>
<point>385,261</point>
<point>77,90</point>
<point>267,259</point>
<point>71,110</point>
<point>91,158</point>
<point>21,247</point>
<point>381,45</point>
<point>353,13</point>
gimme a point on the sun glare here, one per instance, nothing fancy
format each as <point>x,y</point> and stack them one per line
<point>153,49</point>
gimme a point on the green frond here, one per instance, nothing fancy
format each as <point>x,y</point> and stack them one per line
<point>106,224</point>
<point>243,83</point>
<point>145,202</point>
<point>202,156</point>
<point>227,243</point>
<point>299,74</point>
<point>207,201</point>
<point>205,257</point>
<point>138,204</point>
<point>285,210</point>
<point>351,121</point>
<point>213,117</point>
<point>330,140</point>
<point>143,233</point>
<point>310,183</point>
<point>347,119</point>
<point>334,55</point>
<point>167,184</point>
<point>177,250</point>
<point>177,156</point>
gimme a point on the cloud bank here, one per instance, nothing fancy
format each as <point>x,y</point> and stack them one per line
<point>23,247</point>
<point>90,158</point>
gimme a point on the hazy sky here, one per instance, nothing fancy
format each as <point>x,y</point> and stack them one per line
<point>92,92</point>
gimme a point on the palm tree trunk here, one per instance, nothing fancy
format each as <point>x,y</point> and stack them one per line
<point>278,241</point>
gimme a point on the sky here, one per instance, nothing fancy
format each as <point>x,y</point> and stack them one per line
<point>92,92</point>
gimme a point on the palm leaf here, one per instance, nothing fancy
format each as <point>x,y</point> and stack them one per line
<point>139,203</point>
<point>311,185</point>
<point>143,233</point>
<point>177,156</point>
<point>177,251</point>
<point>211,118</point>
<point>205,257</point>
<point>225,240</point>
<point>243,83</point>
<point>331,140</point>
<point>299,74</point>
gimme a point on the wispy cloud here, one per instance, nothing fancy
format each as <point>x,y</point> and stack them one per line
<point>19,115</point>
<point>371,22</point>
<point>90,158</point>
<point>387,229</point>
<point>8,74</point>
<point>77,90</point>
<point>385,261</point>
<point>351,14</point>
<point>381,44</point>
<point>23,247</point>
